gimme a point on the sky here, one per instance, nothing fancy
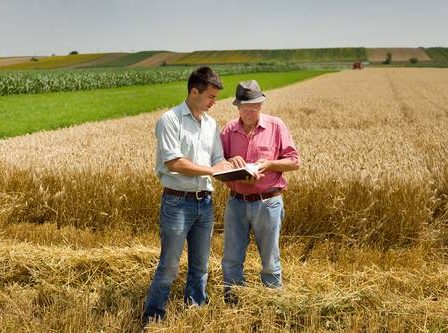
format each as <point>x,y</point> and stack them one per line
<point>46,27</point>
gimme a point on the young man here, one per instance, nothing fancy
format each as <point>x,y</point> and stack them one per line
<point>256,203</point>
<point>189,150</point>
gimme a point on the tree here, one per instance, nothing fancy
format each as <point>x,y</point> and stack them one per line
<point>73,52</point>
<point>388,58</point>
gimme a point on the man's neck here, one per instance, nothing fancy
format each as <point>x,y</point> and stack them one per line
<point>197,114</point>
<point>249,128</point>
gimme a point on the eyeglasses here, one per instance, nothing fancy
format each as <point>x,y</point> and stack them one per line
<point>255,107</point>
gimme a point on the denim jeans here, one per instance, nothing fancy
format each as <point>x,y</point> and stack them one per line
<point>181,219</point>
<point>264,218</point>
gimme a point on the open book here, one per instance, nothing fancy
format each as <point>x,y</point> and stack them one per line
<point>237,174</point>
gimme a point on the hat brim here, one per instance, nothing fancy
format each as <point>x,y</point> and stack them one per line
<point>250,101</point>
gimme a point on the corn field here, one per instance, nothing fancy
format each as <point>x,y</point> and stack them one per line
<point>364,242</point>
<point>36,82</point>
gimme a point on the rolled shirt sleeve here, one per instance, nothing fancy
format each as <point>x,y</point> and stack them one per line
<point>287,147</point>
<point>168,140</point>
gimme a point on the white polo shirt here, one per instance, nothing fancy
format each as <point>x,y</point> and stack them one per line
<point>179,134</point>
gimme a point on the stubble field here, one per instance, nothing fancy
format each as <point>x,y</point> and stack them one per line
<point>364,243</point>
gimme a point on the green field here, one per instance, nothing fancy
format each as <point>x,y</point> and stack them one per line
<point>438,53</point>
<point>286,56</point>
<point>22,114</point>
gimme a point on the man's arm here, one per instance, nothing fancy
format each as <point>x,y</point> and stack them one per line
<point>188,168</point>
<point>286,164</point>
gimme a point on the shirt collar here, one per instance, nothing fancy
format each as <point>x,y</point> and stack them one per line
<point>262,121</point>
<point>185,111</point>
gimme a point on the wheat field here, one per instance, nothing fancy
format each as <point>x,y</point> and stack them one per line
<point>364,243</point>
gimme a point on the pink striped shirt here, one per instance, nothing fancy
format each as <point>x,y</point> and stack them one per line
<point>270,140</point>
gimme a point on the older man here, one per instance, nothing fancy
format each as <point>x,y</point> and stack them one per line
<point>255,203</point>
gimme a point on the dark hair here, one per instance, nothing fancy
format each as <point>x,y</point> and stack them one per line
<point>202,77</point>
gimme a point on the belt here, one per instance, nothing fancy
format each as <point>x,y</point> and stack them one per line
<point>256,196</point>
<point>199,195</point>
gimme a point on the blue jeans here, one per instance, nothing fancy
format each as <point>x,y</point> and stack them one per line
<point>181,219</point>
<point>264,217</point>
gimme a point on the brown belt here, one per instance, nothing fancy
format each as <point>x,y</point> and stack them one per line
<point>255,197</point>
<point>199,195</point>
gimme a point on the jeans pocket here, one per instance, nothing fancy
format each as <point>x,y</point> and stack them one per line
<point>172,212</point>
<point>272,202</point>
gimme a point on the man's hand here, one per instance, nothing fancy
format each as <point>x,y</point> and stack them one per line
<point>237,162</point>
<point>221,166</point>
